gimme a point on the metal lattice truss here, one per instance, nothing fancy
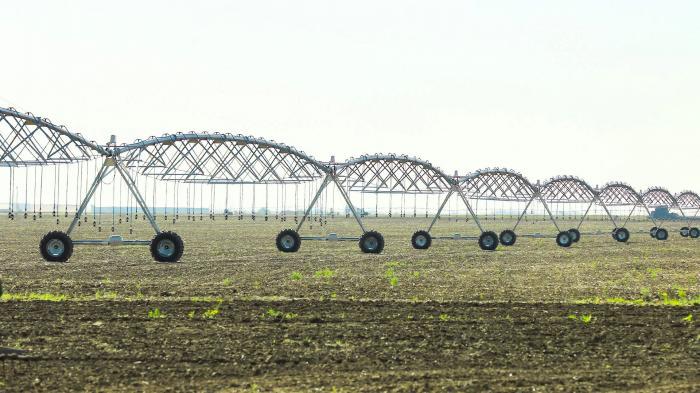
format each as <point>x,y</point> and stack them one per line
<point>26,140</point>
<point>567,189</point>
<point>502,184</point>
<point>498,184</point>
<point>619,194</point>
<point>219,158</point>
<point>392,173</point>
<point>570,189</point>
<point>655,197</point>
<point>659,197</point>
<point>223,158</point>
<point>688,200</point>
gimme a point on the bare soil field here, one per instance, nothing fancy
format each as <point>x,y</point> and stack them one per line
<point>237,315</point>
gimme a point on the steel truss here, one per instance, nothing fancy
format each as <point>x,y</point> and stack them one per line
<point>656,197</point>
<point>26,139</point>
<point>219,159</point>
<point>621,194</point>
<point>571,189</point>
<point>401,174</point>
<point>501,184</point>
<point>238,159</point>
<point>222,158</point>
<point>689,200</point>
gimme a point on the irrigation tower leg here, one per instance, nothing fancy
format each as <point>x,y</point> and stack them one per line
<point>520,218</point>
<point>442,206</point>
<point>131,184</point>
<point>349,203</point>
<point>101,174</point>
<point>585,215</point>
<point>469,208</point>
<point>326,180</point>
<point>551,217</point>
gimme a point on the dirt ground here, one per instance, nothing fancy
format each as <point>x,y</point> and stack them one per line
<point>236,315</point>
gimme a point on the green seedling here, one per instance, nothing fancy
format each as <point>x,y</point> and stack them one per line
<point>211,313</point>
<point>155,314</point>
<point>324,273</point>
<point>279,315</point>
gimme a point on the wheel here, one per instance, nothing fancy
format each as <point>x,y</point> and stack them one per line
<point>167,247</point>
<point>684,231</point>
<point>372,242</point>
<point>622,235</point>
<point>564,239</point>
<point>694,233</point>
<point>488,241</point>
<point>507,237</point>
<point>288,241</point>
<point>661,234</point>
<point>421,240</point>
<point>652,232</point>
<point>56,246</point>
<point>575,235</point>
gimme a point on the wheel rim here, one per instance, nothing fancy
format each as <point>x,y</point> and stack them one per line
<point>166,248</point>
<point>565,239</point>
<point>488,241</point>
<point>287,241</point>
<point>371,243</point>
<point>621,235</point>
<point>421,240</point>
<point>55,247</point>
<point>507,238</point>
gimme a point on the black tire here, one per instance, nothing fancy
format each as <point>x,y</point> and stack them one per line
<point>167,247</point>
<point>56,246</point>
<point>694,233</point>
<point>622,235</point>
<point>488,241</point>
<point>507,237</point>
<point>652,232</point>
<point>372,242</point>
<point>564,239</point>
<point>661,234</point>
<point>575,235</point>
<point>421,240</point>
<point>288,241</point>
<point>684,231</point>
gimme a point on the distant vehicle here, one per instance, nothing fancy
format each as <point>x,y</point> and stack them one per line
<point>662,213</point>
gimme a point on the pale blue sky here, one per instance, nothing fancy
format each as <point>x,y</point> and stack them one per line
<point>599,89</point>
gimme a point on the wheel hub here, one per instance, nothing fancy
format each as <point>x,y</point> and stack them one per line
<point>166,248</point>
<point>421,240</point>
<point>55,247</point>
<point>371,243</point>
<point>287,241</point>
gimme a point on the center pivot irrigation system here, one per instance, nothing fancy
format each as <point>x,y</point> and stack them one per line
<point>42,157</point>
